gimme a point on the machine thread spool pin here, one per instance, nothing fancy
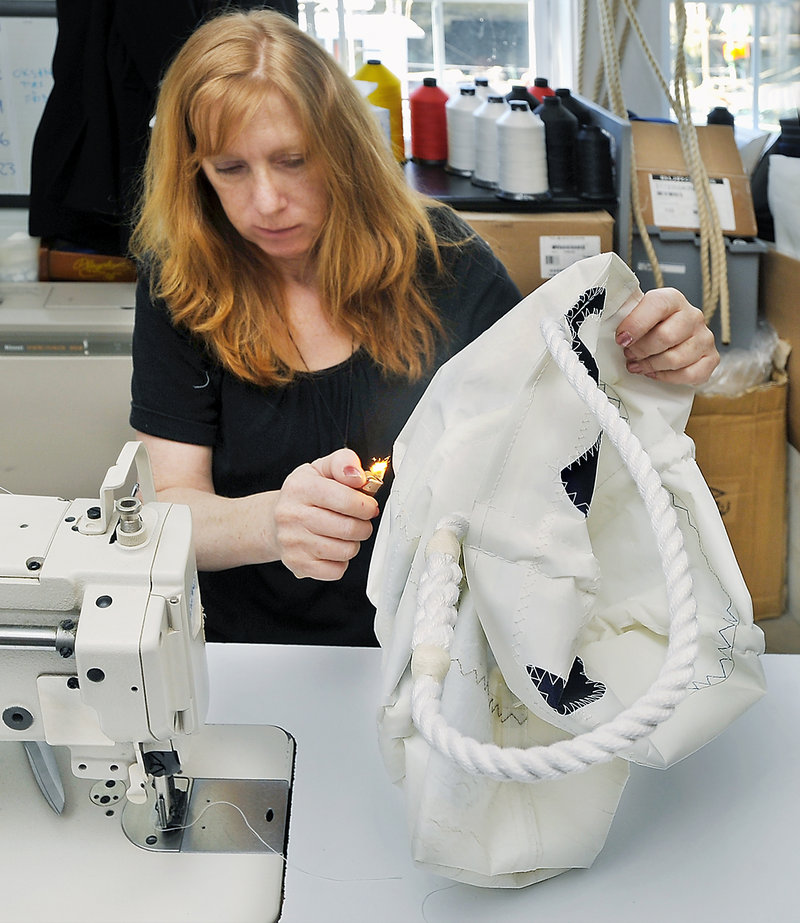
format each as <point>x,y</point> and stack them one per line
<point>131,530</point>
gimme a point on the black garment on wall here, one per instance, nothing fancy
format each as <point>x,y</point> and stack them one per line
<point>90,145</point>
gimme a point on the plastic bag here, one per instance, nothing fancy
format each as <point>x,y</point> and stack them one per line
<point>740,369</point>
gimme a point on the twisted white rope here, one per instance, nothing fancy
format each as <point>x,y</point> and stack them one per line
<point>436,617</point>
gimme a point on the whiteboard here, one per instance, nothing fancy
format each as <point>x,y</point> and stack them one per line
<point>26,78</point>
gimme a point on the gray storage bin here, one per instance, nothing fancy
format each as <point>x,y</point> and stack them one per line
<point>678,254</point>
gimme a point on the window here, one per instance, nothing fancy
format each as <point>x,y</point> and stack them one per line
<point>474,39</point>
<point>504,40</point>
<point>744,56</point>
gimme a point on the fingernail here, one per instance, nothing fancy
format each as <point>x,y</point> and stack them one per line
<point>624,339</point>
<point>351,472</point>
<point>634,367</point>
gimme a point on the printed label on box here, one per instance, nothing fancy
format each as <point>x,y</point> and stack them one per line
<point>668,269</point>
<point>556,253</point>
<point>675,202</point>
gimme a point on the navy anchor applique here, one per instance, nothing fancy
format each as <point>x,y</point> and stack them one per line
<point>565,696</point>
<point>578,477</point>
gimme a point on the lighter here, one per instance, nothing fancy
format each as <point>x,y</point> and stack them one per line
<point>375,474</point>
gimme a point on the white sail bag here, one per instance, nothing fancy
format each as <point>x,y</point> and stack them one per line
<point>556,593</point>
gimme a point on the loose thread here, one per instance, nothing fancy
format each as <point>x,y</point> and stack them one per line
<point>280,855</point>
<point>429,895</point>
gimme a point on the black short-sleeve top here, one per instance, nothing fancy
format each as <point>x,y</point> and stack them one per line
<point>260,434</point>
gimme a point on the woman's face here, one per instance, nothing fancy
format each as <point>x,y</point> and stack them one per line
<point>271,193</point>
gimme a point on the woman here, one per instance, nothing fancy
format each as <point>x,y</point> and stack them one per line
<point>295,299</point>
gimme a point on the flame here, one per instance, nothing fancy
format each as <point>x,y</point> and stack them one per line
<point>378,468</point>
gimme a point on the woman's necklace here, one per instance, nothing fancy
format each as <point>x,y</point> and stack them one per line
<point>344,434</point>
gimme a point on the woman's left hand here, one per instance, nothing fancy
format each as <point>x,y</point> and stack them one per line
<point>666,338</point>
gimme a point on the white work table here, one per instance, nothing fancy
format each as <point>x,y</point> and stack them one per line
<point>711,839</point>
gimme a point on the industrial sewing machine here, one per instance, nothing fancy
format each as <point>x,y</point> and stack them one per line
<point>103,698</point>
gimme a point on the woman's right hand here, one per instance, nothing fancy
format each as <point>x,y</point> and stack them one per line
<point>315,523</point>
<point>321,517</point>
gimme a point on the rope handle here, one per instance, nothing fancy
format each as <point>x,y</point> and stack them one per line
<point>437,613</point>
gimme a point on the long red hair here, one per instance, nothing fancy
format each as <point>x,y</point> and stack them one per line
<point>369,252</point>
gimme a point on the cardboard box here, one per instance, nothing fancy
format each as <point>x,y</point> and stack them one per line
<point>779,302</point>
<point>666,194</point>
<point>740,445</point>
<point>534,246</point>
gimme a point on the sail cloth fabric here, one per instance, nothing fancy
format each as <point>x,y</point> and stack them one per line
<point>563,617</point>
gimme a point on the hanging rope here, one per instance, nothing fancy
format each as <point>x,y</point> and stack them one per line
<point>601,90</point>
<point>612,60</point>
<point>712,240</point>
<point>583,28</point>
<point>437,613</point>
<point>713,255</point>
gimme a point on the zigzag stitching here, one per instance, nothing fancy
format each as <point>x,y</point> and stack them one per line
<point>495,707</point>
<point>586,455</point>
<point>579,311</point>
<point>727,648</point>
<point>573,706</point>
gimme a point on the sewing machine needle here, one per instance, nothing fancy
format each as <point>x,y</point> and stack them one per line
<point>45,771</point>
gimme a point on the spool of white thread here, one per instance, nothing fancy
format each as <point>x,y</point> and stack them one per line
<point>461,131</point>
<point>486,116</point>
<point>521,154</point>
<point>483,89</point>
